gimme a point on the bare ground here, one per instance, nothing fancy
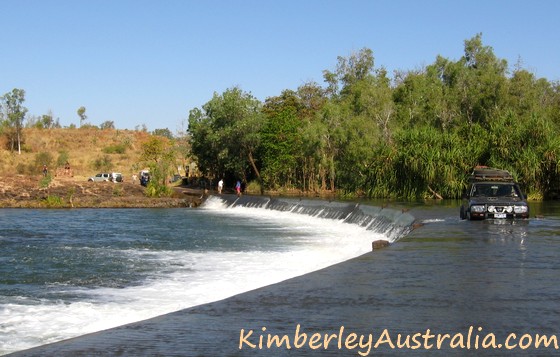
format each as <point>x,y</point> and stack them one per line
<point>23,191</point>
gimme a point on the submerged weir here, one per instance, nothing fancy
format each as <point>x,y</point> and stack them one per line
<point>392,223</point>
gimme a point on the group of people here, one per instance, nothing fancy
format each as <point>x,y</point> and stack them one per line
<point>59,171</point>
<point>238,188</point>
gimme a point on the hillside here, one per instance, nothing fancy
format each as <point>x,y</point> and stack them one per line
<point>87,151</point>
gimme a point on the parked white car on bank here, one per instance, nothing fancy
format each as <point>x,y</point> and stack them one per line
<point>100,177</point>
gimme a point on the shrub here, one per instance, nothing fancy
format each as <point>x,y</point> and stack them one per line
<point>115,149</point>
<point>103,163</point>
<point>63,158</point>
<point>118,191</point>
<point>45,181</point>
<point>43,158</point>
<point>53,201</point>
<point>21,168</point>
<point>253,187</point>
<point>157,190</point>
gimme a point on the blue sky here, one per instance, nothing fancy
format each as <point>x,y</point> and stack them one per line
<point>150,62</point>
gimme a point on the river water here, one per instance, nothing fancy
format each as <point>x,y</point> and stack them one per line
<point>65,273</point>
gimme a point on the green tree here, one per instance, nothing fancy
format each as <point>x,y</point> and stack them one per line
<point>356,119</point>
<point>204,142</point>
<point>312,99</point>
<point>159,156</point>
<point>43,159</point>
<point>108,124</point>
<point>477,82</point>
<point>166,133</point>
<point>416,135</point>
<point>419,99</point>
<point>225,134</point>
<point>15,114</point>
<point>103,163</point>
<point>63,158</point>
<point>344,87</point>
<point>486,81</point>
<point>45,121</point>
<point>82,115</point>
<point>280,140</point>
<point>183,145</point>
<point>349,70</point>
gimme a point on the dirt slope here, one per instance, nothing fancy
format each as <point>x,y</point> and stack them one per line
<point>66,192</point>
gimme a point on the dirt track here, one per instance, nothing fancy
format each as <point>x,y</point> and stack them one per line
<point>21,191</point>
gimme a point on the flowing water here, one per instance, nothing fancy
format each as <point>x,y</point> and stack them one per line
<point>64,273</point>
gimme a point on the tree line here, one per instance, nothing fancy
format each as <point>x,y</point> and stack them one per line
<point>415,135</point>
<point>13,118</point>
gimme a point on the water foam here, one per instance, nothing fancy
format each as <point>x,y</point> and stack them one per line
<point>189,278</point>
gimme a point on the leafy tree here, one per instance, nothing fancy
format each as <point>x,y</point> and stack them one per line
<point>312,99</point>
<point>477,83</point>
<point>204,143</point>
<point>349,70</point>
<point>183,145</point>
<point>225,134</point>
<point>166,133</point>
<point>416,136</point>
<point>159,156</point>
<point>63,158</point>
<point>142,127</point>
<point>43,159</point>
<point>15,114</point>
<point>485,80</point>
<point>343,105</point>
<point>419,100</point>
<point>280,140</point>
<point>108,124</point>
<point>45,121</point>
<point>82,115</point>
<point>119,148</point>
<point>103,163</point>
<point>353,119</point>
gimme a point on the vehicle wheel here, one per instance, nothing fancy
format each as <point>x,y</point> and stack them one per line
<point>90,180</point>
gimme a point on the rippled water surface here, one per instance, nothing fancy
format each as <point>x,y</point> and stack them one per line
<point>68,272</point>
<point>67,268</point>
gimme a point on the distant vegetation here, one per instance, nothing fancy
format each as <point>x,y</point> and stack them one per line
<point>363,133</point>
<point>412,136</point>
<point>88,151</point>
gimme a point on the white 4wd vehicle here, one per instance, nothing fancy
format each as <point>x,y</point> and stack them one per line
<point>116,177</point>
<point>104,176</point>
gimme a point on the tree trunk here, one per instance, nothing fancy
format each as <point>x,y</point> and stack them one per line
<point>252,161</point>
<point>18,142</point>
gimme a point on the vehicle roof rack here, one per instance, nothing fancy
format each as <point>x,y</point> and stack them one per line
<point>484,173</point>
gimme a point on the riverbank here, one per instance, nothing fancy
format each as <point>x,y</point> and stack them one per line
<point>23,191</point>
